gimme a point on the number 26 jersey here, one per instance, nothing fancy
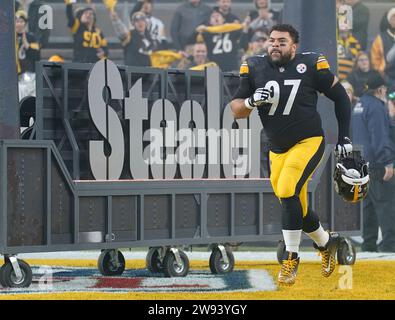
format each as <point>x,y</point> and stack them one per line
<point>291,115</point>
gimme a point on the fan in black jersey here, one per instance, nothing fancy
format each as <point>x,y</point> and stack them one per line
<point>283,86</point>
<point>222,40</point>
<point>89,43</point>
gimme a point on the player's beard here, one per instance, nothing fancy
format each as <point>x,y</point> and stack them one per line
<point>284,59</point>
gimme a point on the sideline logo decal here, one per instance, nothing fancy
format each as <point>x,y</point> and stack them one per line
<point>66,279</point>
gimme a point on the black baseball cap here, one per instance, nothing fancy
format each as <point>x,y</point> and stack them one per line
<point>375,81</point>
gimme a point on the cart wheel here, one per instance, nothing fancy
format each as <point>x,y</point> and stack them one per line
<point>9,278</point>
<point>280,251</point>
<point>217,263</point>
<point>346,253</point>
<point>107,266</point>
<point>152,260</point>
<point>170,266</point>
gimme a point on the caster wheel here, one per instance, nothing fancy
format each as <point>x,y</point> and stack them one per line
<point>280,251</point>
<point>8,278</point>
<point>346,253</point>
<point>170,266</point>
<point>107,266</point>
<point>217,263</point>
<point>153,262</point>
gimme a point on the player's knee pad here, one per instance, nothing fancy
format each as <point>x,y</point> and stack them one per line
<point>285,190</point>
<point>285,193</point>
<point>286,184</point>
<point>292,216</point>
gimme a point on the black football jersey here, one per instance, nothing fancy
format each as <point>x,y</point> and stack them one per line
<point>292,116</point>
<point>222,48</point>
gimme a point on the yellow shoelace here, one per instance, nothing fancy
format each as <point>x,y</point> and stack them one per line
<point>325,256</point>
<point>288,267</point>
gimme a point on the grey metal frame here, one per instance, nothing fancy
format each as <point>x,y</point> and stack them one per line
<point>80,189</point>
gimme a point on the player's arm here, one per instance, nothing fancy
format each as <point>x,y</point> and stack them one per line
<point>329,84</point>
<point>245,99</point>
<point>238,106</point>
<point>239,109</point>
<point>339,96</point>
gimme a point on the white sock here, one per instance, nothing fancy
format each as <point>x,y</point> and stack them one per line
<point>292,240</point>
<point>319,236</point>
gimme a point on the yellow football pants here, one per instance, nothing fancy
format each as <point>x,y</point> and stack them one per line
<point>290,171</point>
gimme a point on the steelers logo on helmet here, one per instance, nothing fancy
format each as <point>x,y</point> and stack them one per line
<point>301,68</point>
<point>351,177</point>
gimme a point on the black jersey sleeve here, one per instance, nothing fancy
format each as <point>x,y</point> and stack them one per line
<point>323,76</point>
<point>323,81</point>
<point>342,108</point>
<point>245,88</point>
<point>70,16</point>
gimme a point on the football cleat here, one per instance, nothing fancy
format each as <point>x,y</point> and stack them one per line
<point>289,269</point>
<point>328,254</point>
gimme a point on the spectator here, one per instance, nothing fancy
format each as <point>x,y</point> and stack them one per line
<point>258,21</point>
<point>155,26</point>
<point>137,43</point>
<point>89,45</point>
<point>198,60</point>
<point>265,19</point>
<point>28,52</point>
<point>42,35</point>
<point>383,51</point>
<point>265,4</point>
<point>246,34</point>
<point>350,92</point>
<point>360,20</point>
<point>257,46</point>
<point>384,25</point>
<point>248,31</point>
<point>391,112</point>
<point>222,41</point>
<point>348,48</point>
<point>371,128</point>
<point>224,6</point>
<point>360,74</point>
<point>27,47</point>
<point>187,17</point>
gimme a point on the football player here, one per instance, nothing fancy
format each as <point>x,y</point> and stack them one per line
<point>283,86</point>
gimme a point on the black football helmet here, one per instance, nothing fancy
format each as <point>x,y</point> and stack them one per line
<point>351,177</point>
